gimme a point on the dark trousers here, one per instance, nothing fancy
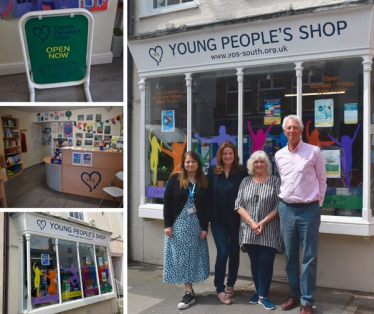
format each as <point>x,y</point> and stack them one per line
<point>227,243</point>
<point>262,261</point>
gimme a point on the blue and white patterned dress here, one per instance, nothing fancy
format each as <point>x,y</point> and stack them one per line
<point>186,256</point>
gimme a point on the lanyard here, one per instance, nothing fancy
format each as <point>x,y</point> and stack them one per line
<point>192,191</point>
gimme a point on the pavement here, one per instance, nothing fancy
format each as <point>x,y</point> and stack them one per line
<point>148,294</point>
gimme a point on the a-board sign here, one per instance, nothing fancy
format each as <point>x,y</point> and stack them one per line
<point>57,47</point>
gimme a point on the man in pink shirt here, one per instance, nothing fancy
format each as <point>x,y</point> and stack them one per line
<point>303,175</point>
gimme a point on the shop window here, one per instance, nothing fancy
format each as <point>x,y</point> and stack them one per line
<point>77,215</point>
<point>167,3</point>
<point>332,116</point>
<point>155,7</point>
<point>166,124</point>
<point>214,112</point>
<point>103,269</point>
<point>44,278</point>
<point>89,278</point>
<point>269,104</point>
<point>69,271</point>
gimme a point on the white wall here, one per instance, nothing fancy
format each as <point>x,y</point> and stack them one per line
<point>11,59</point>
<point>33,157</point>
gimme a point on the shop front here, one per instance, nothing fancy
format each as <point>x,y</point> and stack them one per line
<point>62,266</point>
<point>238,81</point>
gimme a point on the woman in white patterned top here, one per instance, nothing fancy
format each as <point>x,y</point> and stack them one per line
<point>257,204</point>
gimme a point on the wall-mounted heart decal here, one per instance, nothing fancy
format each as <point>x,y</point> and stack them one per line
<point>156,54</point>
<point>42,32</point>
<point>41,223</point>
<point>92,180</point>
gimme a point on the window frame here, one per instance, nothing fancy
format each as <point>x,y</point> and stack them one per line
<point>147,10</point>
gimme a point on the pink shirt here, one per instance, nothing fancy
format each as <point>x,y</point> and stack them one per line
<point>302,173</point>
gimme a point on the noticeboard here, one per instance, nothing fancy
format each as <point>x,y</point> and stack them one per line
<point>57,48</point>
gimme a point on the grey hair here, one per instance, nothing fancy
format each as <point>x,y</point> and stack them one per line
<point>260,154</point>
<point>293,117</point>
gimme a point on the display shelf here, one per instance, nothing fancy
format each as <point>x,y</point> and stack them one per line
<point>10,146</point>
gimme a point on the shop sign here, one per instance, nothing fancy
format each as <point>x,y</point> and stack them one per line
<point>60,229</point>
<point>291,37</point>
<point>57,48</point>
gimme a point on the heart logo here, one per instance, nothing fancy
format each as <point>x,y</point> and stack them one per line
<point>156,54</point>
<point>42,32</point>
<point>92,180</point>
<point>41,224</point>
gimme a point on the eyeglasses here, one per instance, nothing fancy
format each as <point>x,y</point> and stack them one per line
<point>256,197</point>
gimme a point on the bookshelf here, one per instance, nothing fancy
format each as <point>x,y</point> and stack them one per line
<point>10,146</point>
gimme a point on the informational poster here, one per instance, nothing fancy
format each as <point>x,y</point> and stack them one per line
<point>57,47</point>
<point>44,259</point>
<point>100,261</point>
<point>324,113</point>
<point>350,113</point>
<point>272,108</point>
<point>332,163</point>
<point>14,9</point>
<point>36,138</point>
<point>168,121</point>
<point>87,159</point>
<point>77,159</point>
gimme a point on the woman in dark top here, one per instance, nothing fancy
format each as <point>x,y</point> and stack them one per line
<point>186,256</point>
<point>225,178</point>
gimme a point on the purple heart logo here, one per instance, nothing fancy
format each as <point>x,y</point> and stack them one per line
<point>41,224</point>
<point>42,32</point>
<point>92,179</point>
<point>156,54</point>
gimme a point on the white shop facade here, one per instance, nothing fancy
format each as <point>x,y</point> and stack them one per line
<point>232,81</point>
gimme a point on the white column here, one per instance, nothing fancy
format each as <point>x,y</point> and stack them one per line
<point>20,274</point>
<point>111,273</point>
<point>29,308</point>
<point>189,110</point>
<point>299,88</point>
<point>366,212</point>
<point>79,267</point>
<point>142,85</point>
<point>240,75</point>
<point>97,271</point>
<point>58,272</point>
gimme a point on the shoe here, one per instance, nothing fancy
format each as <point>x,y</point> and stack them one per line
<point>230,291</point>
<point>306,309</point>
<point>254,299</point>
<point>290,303</point>
<point>187,300</point>
<point>224,298</point>
<point>266,303</point>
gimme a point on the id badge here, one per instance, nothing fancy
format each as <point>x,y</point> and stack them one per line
<point>191,210</point>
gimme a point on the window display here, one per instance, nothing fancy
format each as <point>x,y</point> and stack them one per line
<point>103,269</point>
<point>87,260</point>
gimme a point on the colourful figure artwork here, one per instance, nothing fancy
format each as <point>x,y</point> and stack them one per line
<point>16,8</point>
<point>282,139</point>
<point>177,150</point>
<point>346,144</point>
<point>52,285</point>
<point>37,274</point>
<point>219,139</point>
<point>72,276</point>
<point>259,138</point>
<point>155,148</point>
<point>313,138</point>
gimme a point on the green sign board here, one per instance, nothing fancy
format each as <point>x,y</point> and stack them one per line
<point>348,202</point>
<point>57,47</point>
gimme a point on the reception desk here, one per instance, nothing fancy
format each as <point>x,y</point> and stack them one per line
<point>87,178</point>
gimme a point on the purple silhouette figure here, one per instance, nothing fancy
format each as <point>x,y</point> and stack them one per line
<point>282,139</point>
<point>346,144</point>
<point>259,138</point>
<point>219,139</point>
<point>74,278</point>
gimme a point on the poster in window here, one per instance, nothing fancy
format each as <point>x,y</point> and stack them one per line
<point>87,159</point>
<point>103,276</point>
<point>272,110</point>
<point>350,113</point>
<point>100,261</point>
<point>324,113</point>
<point>86,260</point>
<point>168,121</point>
<point>45,259</point>
<point>332,163</point>
<point>77,159</point>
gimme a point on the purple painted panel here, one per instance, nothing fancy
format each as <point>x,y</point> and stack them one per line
<point>155,191</point>
<point>45,299</point>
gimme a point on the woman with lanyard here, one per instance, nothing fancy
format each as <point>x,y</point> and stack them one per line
<point>224,179</point>
<point>257,204</point>
<point>186,204</point>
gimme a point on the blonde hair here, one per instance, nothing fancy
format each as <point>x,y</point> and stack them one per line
<point>260,154</point>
